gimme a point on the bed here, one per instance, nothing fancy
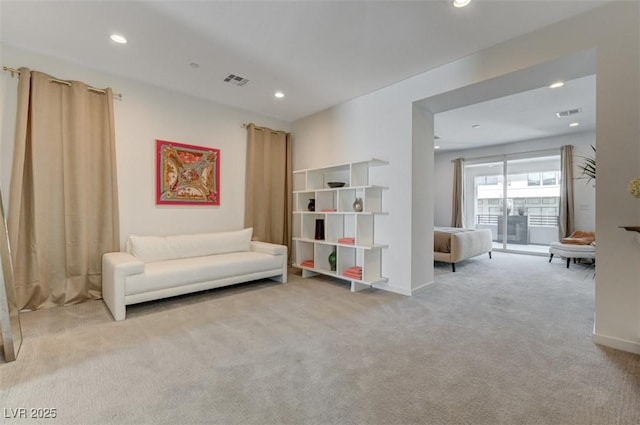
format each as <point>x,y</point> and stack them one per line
<point>453,244</point>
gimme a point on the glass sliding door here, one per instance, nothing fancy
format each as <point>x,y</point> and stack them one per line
<point>517,197</point>
<point>533,189</point>
<point>484,196</point>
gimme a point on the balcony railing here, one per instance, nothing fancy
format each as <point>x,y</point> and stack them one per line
<point>544,220</point>
<point>487,219</point>
<point>533,220</point>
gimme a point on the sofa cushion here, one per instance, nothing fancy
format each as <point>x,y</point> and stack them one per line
<point>579,238</point>
<point>175,273</point>
<point>150,249</point>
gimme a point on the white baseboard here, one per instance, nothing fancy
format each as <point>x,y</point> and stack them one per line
<point>391,288</point>
<point>617,343</point>
<point>422,287</point>
<point>402,291</point>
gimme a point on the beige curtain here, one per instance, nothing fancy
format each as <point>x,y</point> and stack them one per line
<point>63,205</point>
<point>268,185</point>
<point>566,219</point>
<point>457,218</point>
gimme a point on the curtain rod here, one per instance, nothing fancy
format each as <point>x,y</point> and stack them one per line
<point>505,155</point>
<point>65,82</point>
<point>254,126</point>
<point>262,128</point>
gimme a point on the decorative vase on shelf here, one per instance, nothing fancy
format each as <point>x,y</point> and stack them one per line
<point>357,205</point>
<point>319,235</point>
<point>311,206</point>
<point>332,260</point>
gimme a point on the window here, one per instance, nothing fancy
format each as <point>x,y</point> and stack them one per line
<point>545,178</point>
<point>533,179</point>
<point>550,178</point>
<point>489,180</point>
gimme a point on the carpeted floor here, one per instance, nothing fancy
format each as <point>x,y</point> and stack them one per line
<point>501,341</point>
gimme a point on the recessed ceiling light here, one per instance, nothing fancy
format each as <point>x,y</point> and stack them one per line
<point>556,85</point>
<point>574,124</point>
<point>436,147</point>
<point>461,3</point>
<point>118,38</point>
<point>279,94</point>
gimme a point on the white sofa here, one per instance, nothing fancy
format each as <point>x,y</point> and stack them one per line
<point>155,267</point>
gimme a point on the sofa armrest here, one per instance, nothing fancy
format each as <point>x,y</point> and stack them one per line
<point>469,244</point>
<point>116,266</point>
<point>273,249</point>
<point>268,248</point>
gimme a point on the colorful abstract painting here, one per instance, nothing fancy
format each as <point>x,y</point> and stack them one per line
<point>186,174</point>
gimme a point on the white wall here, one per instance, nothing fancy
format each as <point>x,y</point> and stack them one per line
<point>359,130</point>
<point>584,196</point>
<point>144,114</point>
<point>422,195</point>
<point>380,124</point>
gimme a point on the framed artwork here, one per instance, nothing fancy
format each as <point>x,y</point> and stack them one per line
<point>187,174</point>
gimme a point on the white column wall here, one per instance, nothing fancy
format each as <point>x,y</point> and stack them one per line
<point>617,110</point>
<point>422,194</point>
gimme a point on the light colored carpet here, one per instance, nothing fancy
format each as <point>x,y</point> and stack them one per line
<point>501,341</point>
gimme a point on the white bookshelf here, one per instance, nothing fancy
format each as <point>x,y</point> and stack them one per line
<point>335,207</point>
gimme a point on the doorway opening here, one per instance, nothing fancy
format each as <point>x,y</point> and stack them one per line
<point>513,169</point>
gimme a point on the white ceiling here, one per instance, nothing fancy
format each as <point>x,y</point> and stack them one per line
<point>319,53</point>
<point>521,116</point>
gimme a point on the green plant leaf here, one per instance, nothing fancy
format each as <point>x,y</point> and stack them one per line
<point>588,166</point>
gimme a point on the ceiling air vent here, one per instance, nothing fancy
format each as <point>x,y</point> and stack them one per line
<point>568,112</point>
<point>236,79</point>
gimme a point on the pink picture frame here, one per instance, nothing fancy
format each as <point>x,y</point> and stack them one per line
<point>187,174</point>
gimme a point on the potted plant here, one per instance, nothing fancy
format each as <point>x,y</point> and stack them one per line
<point>588,166</point>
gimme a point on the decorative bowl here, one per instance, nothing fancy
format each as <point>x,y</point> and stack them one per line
<point>333,185</point>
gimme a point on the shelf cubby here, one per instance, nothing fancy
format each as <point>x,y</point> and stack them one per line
<point>325,200</point>
<point>346,258</point>
<point>335,207</point>
<point>309,225</point>
<point>302,200</point>
<point>334,229</point>
<point>304,251</point>
<point>321,259</point>
<point>364,230</point>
